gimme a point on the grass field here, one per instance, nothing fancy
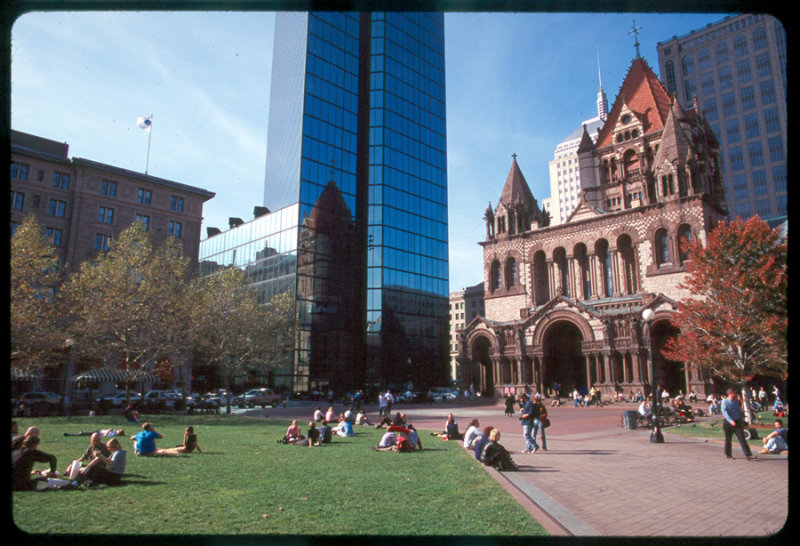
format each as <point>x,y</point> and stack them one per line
<point>245,483</point>
<point>712,428</point>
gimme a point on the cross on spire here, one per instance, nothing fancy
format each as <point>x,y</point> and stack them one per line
<point>635,31</point>
<point>514,156</point>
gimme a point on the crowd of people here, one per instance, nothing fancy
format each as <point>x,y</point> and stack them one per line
<point>102,462</point>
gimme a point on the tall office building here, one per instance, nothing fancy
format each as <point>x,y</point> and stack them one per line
<point>565,177</point>
<point>357,141</point>
<point>734,71</point>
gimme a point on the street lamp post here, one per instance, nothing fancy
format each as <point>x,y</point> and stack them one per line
<point>67,344</point>
<point>655,435</point>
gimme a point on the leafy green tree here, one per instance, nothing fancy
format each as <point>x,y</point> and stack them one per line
<point>127,305</point>
<point>232,330</point>
<point>735,324</point>
<point>35,275</point>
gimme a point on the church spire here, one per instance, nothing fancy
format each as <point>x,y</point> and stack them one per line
<point>602,100</point>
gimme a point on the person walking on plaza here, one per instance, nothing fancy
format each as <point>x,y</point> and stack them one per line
<point>733,423</point>
<point>526,418</point>
<point>539,416</point>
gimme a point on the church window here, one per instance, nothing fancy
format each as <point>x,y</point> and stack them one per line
<point>511,273</point>
<point>662,247</point>
<point>684,239</point>
<point>495,280</point>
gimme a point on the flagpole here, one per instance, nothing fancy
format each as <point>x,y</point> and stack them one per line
<point>149,134</point>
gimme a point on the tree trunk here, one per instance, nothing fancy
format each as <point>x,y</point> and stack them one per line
<point>748,407</point>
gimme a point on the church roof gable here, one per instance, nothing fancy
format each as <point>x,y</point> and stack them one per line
<point>645,95</point>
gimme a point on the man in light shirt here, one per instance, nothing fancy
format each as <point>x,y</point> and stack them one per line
<point>733,423</point>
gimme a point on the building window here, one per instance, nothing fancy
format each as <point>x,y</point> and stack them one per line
<point>722,52</point>
<point>743,209</point>
<point>728,104</point>
<point>740,46</point>
<point>751,125</point>
<point>36,201</point>
<point>743,72</point>
<point>707,83</point>
<point>767,92</point>
<point>732,131</point>
<point>748,97</point>
<point>495,276</point>
<point>61,180</point>
<point>108,188</point>
<point>102,242</point>
<point>763,66</point>
<point>771,120</point>
<point>710,107</point>
<point>57,208</point>
<point>759,38</point>
<point>684,239</point>
<point>17,200</point>
<point>175,228</point>
<point>176,204</point>
<point>760,186</point>
<point>669,68</point>
<point>776,149</point>
<point>763,207</point>
<point>145,196</point>
<point>19,171</point>
<point>14,226</point>
<point>54,235</point>
<point>725,76</point>
<point>740,189</point>
<point>736,158</point>
<point>105,215</point>
<point>704,59</point>
<point>756,154</point>
<point>687,65</point>
<point>511,273</point>
<point>145,220</point>
<point>779,178</point>
<point>662,247</point>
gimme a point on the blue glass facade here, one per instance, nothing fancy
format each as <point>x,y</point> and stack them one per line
<point>357,138</point>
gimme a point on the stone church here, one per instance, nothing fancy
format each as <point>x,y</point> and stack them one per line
<point>566,304</point>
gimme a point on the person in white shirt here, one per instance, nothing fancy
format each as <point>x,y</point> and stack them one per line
<point>472,435</point>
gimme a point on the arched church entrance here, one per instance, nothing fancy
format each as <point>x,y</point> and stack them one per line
<point>482,365</point>
<point>669,373</point>
<point>563,359</point>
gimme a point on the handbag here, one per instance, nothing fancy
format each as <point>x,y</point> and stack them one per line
<point>545,422</point>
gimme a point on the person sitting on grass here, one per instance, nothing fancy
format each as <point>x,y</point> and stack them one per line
<point>482,441</point>
<point>104,469</point>
<point>312,435</point>
<point>144,442</point>
<point>19,439</point>
<point>387,443</point>
<point>22,461</point>
<point>330,415</point>
<point>189,444</point>
<point>398,421</point>
<point>325,433</point>
<point>777,440</point>
<point>318,415</point>
<point>495,455</point>
<point>293,434</point>
<point>344,428</point>
<point>413,437</point>
<point>362,419</point>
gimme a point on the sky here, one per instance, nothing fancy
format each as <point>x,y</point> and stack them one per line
<point>517,83</point>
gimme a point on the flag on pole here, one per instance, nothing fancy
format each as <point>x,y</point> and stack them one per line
<point>144,123</point>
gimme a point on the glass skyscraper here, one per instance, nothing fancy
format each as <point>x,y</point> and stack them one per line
<point>357,139</point>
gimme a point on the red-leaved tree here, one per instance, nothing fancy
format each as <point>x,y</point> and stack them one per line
<point>736,320</point>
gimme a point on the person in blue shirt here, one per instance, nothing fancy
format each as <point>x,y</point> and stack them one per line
<point>733,423</point>
<point>526,418</point>
<point>144,442</point>
<point>344,429</point>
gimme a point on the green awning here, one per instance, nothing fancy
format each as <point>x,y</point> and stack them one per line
<point>114,375</point>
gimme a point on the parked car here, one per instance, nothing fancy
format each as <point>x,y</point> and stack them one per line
<point>220,397</point>
<point>258,397</point>
<point>118,399</point>
<point>412,397</point>
<point>159,398</point>
<point>42,397</point>
<point>442,394</point>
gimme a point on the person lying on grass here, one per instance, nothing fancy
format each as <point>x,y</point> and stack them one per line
<point>104,433</point>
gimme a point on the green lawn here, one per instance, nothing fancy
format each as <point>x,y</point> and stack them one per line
<point>245,483</point>
<point>712,428</point>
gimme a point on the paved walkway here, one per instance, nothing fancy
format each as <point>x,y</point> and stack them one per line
<point>600,479</point>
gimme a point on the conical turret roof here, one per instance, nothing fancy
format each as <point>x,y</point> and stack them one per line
<point>516,190</point>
